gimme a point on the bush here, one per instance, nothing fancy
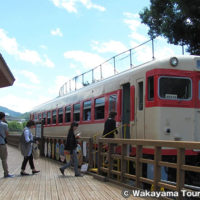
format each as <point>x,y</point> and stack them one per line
<point>15,126</point>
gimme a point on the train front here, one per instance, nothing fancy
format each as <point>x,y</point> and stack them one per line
<point>173,100</point>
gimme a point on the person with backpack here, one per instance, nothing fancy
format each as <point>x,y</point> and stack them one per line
<point>71,145</point>
<point>26,141</point>
<point>3,146</point>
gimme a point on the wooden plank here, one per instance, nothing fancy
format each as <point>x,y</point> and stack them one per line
<point>167,186</point>
<point>138,165</point>
<point>50,184</point>
<point>148,161</point>
<point>129,158</point>
<point>167,164</point>
<point>130,176</point>
<point>180,173</point>
<point>157,168</point>
<point>190,168</point>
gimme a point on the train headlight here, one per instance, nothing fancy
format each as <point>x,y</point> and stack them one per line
<point>173,61</point>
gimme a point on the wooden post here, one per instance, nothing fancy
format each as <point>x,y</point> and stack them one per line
<point>110,161</point>
<point>138,165</point>
<point>180,174</point>
<point>123,162</point>
<point>157,168</point>
<point>90,153</point>
<point>100,158</point>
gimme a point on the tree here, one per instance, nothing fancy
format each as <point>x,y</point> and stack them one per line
<point>176,20</point>
<point>15,126</point>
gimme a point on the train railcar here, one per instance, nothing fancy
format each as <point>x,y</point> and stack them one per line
<point>159,100</point>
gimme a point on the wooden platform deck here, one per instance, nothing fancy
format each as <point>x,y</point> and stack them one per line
<point>49,184</point>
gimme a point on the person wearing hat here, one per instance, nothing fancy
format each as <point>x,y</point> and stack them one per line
<point>110,126</point>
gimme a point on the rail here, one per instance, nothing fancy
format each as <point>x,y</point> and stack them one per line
<point>112,66</point>
<point>139,179</point>
<point>127,168</point>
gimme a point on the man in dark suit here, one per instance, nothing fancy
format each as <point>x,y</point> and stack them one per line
<point>110,126</point>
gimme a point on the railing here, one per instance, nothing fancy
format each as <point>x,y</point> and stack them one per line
<point>54,149</point>
<point>112,66</point>
<point>139,160</point>
<point>126,159</point>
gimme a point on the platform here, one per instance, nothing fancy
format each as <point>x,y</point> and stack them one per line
<point>49,184</point>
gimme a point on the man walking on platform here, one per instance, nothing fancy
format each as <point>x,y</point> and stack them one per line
<point>3,147</point>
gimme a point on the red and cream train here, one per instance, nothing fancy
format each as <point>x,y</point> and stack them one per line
<point>160,100</point>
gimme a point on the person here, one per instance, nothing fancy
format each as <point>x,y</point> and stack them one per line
<point>110,126</point>
<point>3,147</point>
<point>26,148</point>
<point>71,145</point>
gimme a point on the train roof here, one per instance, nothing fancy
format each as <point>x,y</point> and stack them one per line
<point>98,88</point>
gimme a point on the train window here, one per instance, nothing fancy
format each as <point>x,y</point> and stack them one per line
<point>68,114</point>
<point>99,108</point>
<point>35,117</point>
<point>54,117</point>
<point>60,115</point>
<point>151,88</point>
<point>87,111</point>
<point>175,88</point>
<point>113,103</point>
<point>40,117</point>
<point>44,118</point>
<point>140,95</point>
<point>49,118</point>
<point>77,112</point>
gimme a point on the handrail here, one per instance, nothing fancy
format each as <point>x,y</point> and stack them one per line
<point>157,183</point>
<point>67,86</point>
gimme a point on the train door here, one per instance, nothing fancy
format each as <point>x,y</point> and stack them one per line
<point>140,109</point>
<point>126,110</point>
<point>197,117</point>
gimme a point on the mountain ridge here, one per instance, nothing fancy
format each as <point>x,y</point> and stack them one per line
<point>13,113</point>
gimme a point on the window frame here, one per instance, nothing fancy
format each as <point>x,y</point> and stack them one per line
<point>99,106</point>
<point>59,115</point>
<point>69,111</point>
<point>140,96</point>
<point>90,110</point>
<point>115,101</point>
<point>44,121</point>
<point>149,89</point>
<point>77,112</point>
<point>175,77</point>
<point>52,115</point>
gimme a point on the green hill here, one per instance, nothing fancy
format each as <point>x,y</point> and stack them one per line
<point>13,114</point>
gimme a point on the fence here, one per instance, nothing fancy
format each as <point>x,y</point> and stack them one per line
<point>126,160</point>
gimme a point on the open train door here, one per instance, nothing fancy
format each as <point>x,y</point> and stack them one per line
<point>140,123</point>
<point>126,110</point>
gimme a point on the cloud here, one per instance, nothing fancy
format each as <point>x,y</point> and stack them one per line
<point>135,25</point>
<point>11,46</point>
<point>57,32</point>
<point>31,76</point>
<point>58,82</point>
<point>88,60</point>
<point>21,104</point>
<point>71,5</point>
<point>111,46</point>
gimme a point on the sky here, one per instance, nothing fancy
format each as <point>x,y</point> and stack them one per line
<point>47,42</point>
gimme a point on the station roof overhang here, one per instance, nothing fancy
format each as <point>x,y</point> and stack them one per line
<point>6,76</point>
